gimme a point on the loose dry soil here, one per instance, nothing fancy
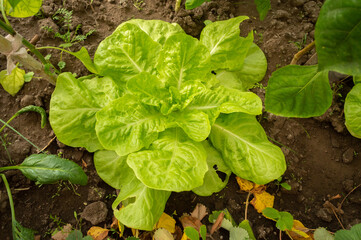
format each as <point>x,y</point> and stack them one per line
<point>323,158</point>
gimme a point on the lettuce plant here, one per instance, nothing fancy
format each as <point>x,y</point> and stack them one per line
<point>165,112</point>
<point>304,91</point>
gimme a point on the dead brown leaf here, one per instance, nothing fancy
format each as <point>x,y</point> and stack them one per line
<point>189,221</point>
<point>217,224</point>
<point>200,211</point>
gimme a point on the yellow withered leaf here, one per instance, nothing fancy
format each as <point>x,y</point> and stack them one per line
<point>184,237</point>
<point>299,232</point>
<point>166,222</point>
<point>244,184</point>
<point>98,233</point>
<point>262,201</point>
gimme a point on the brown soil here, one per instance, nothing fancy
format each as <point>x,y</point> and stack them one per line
<point>322,156</point>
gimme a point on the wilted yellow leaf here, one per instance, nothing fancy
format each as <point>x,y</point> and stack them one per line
<point>98,233</point>
<point>299,232</point>
<point>135,232</point>
<point>262,201</point>
<point>166,222</point>
<point>184,237</point>
<point>244,184</point>
<point>163,234</point>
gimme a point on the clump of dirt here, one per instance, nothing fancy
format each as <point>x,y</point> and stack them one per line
<point>323,158</point>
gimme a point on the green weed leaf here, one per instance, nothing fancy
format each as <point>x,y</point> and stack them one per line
<point>245,225</point>
<point>28,76</point>
<point>238,233</point>
<point>338,34</point>
<point>246,149</point>
<point>84,57</point>
<point>20,232</point>
<point>353,234</point>
<point>284,220</point>
<point>352,110</point>
<point>298,91</point>
<point>37,109</point>
<point>191,233</point>
<point>203,232</point>
<point>263,6</point>
<point>44,169</point>
<point>323,234</point>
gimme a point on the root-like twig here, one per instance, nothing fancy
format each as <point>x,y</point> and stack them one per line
<point>298,55</point>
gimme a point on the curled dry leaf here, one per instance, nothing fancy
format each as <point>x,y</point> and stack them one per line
<point>217,224</point>
<point>166,222</point>
<point>189,221</point>
<point>98,233</point>
<point>200,211</point>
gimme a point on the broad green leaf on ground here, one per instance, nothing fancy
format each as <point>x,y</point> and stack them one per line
<point>228,50</point>
<point>126,53</point>
<point>149,89</point>
<point>73,107</point>
<point>44,169</point>
<point>83,56</point>
<point>245,148</point>
<point>191,4</point>
<point>298,91</point>
<point>357,79</point>
<point>20,232</point>
<point>22,8</point>
<point>338,34</point>
<point>194,123</point>
<point>126,125</point>
<point>173,162</point>
<point>284,220</point>
<point>183,59</point>
<point>352,110</point>
<point>246,226</point>
<point>263,6</point>
<point>144,208</point>
<point>253,70</point>
<point>13,82</point>
<point>238,233</point>
<point>322,234</point>
<point>212,182</point>
<point>353,234</point>
<point>113,169</point>
<point>158,30</point>
<point>225,100</point>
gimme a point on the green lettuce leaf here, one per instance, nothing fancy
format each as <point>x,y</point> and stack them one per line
<point>173,162</point>
<point>149,89</point>
<point>357,79</point>
<point>253,70</point>
<point>228,50</point>
<point>191,4</point>
<point>338,34</point>
<point>158,30</point>
<point>144,206</point>
<point>182,59</point>
<point>22,8</point>
<point>73,107</point>
<point>225,100</point>
<point>246,149</point>
<point>352,110</point>
<point>298,91</point>
<point>126,53</point>
<point>212,183</point>
<point>13,82</point>
<point>126,125</point>
<point>113,169</point>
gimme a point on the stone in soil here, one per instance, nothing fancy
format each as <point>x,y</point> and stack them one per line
<point>324,215</point>
<point>347,156</point>
<point>348,185</point>
<point>95,212</point>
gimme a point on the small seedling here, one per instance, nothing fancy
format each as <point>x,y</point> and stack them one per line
<point>282,184</point>
<point>138,4</point>
<point>284,220</point>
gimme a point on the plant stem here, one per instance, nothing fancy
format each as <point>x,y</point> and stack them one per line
<point>298,55</point>
<point>11,202</point>
<point>247,203</point>
<point>177,5</point>
<point>3,12</point>
<point>1,121</point>
<point>14,116</point>
<point>7,28</point>
<point>8,168</point>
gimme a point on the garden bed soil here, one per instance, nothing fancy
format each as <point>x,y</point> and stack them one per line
<point>322,157</point>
